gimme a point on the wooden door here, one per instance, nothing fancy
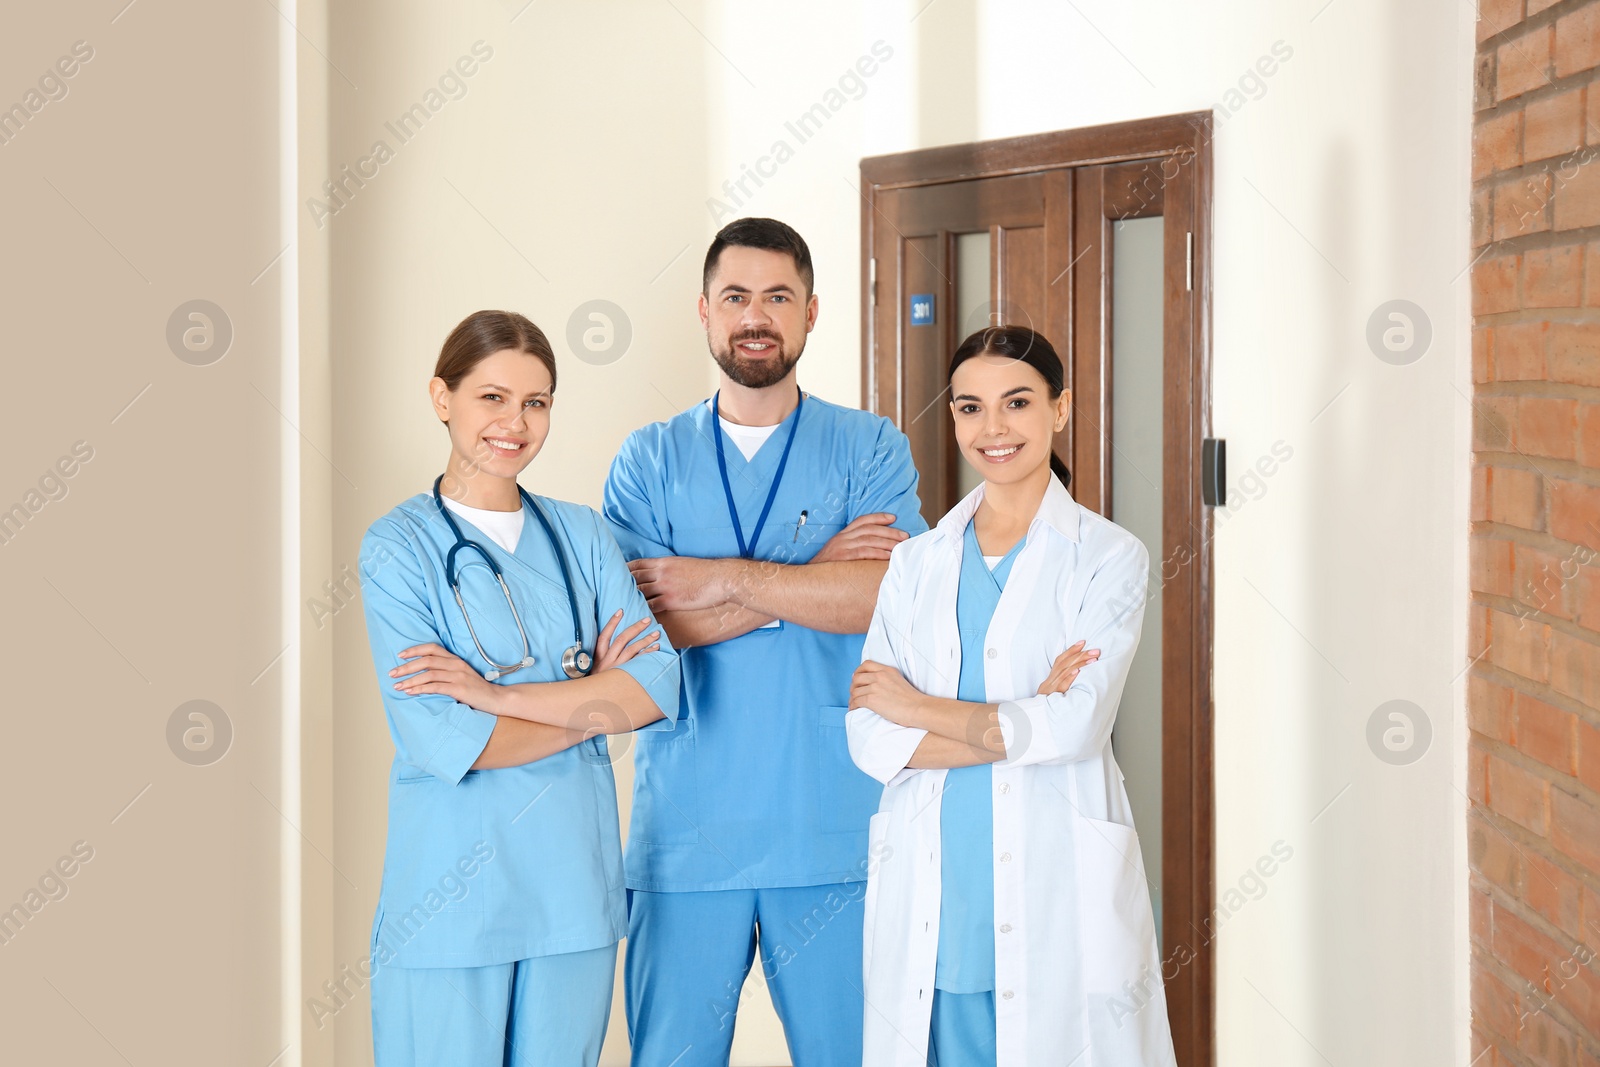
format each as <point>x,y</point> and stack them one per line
<point>1056,209</point>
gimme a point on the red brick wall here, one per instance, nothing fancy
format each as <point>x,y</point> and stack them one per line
<point>1533,701</point>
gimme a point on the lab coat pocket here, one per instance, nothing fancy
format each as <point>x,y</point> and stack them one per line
<point>1122,975</point>
<point>666,804</point>
<point>1116,929</point>
<point>848,795</point>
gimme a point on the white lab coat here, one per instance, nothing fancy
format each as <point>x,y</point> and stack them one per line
<point>1077,978</point>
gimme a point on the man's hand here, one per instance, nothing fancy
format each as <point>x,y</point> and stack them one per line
<point>886,691</point>
<point>869,537</point>
<point>681,583</point>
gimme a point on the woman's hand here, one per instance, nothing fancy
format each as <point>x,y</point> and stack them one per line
<point>610,653</point>
<point>886,691</point>
<point>1066,668</point>
<point>433,668</point>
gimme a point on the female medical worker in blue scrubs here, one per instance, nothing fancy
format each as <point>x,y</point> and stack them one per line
<point>502,901</point>
<point>1008,922</point>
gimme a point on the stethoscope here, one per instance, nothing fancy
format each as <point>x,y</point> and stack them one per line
<point>575,662</point>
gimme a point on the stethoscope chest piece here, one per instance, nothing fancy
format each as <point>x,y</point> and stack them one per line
<point>575,662</point>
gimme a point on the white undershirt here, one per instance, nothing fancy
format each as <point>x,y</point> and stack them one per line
<point>992,560</point>
<point>503,527</point>
<point>748,439</point>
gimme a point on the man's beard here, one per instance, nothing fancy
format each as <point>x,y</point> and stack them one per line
<point>752,373</point>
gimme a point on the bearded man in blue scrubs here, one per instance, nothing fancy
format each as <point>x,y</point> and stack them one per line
<point>758,524</point>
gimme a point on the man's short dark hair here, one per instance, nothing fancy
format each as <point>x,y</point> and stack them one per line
<point>767,234</point>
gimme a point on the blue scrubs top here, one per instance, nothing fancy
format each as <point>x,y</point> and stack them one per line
<point>493,866</point>
<point>753,786</point>
<point>966,814</point>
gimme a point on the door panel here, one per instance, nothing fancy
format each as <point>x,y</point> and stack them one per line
<point>925,271</point>
<point>964,207</point>
<point>1137,470</point>
<point>974,304</point>
<point>924,230</point>
<point>1166,731</point>
<point>1020,295</point>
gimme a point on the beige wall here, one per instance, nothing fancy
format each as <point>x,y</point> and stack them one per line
<point>159,577</point>
<point>578,166</point>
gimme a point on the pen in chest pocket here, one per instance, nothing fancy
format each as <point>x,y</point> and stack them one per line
<point>797,526</point>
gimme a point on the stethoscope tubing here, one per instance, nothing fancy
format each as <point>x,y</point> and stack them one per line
<point>575,661</point>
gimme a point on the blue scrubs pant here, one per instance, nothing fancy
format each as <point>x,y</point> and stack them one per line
<point>548,1011</point>
<point>963,1030</point>
<point>689,953</point>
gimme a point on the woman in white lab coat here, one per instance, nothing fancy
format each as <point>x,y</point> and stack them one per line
<point>1007,917</point>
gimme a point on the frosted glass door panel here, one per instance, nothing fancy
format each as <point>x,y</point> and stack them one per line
<point>1137,447</point>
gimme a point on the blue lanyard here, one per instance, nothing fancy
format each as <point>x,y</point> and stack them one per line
<point>727,491</point>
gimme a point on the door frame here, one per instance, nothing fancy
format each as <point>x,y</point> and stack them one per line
<point>1182,143</point>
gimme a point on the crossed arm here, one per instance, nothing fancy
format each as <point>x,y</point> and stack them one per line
<point>529,717</point>
<point>960,733</point>
<point>538,719</point>
<point>707,601</point>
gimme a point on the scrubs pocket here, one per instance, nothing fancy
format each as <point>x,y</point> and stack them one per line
<point>801,542</point>
<point>431,824</point>
<point>848,795</point>
<point>705,542</point>
<point>666,803</point>
<point>1114,917</point>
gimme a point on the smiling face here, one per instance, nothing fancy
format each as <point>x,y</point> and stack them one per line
<point>756,313</point>
<point>1005,418</point>
<point>498,414</point>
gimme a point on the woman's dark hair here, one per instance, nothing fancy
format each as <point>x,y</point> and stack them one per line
<point>1022,343</point>
<point>767,234</point>
<point>482,334</point>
